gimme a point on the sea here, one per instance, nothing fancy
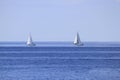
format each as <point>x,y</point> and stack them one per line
<point>60,61</point>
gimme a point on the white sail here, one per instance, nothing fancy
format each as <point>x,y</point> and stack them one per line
<point>77,40</point>
<point>29,41</point>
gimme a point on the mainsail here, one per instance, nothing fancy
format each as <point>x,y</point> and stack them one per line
<point>30,41</point>
<point>77,40</point>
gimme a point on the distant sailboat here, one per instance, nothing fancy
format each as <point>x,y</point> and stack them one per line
<point>77,40</point>
<point>30,41</point>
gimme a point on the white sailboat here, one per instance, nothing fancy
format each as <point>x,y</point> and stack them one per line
<point>30,41</point>
<point>77,40</point>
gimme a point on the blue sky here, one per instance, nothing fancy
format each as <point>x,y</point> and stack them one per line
<point>59,20</point>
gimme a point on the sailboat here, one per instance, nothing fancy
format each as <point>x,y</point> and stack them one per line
<point>77,40</point>
<point>30,41</point>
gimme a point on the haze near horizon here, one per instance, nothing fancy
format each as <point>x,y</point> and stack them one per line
<point>60,20</point>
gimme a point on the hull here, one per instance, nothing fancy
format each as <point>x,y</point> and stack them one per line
<point>31,45</point>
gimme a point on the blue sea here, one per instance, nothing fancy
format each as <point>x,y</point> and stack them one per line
<point>60,61</point>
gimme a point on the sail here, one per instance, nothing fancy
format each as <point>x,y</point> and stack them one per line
<point>29,41</point>
<point>77,40</point>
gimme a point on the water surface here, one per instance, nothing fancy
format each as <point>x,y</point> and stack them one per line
<point>60,61</point>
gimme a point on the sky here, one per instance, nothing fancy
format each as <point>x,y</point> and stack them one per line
<point>60,20</point>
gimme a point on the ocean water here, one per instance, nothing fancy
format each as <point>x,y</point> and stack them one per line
<point>60,61</point>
